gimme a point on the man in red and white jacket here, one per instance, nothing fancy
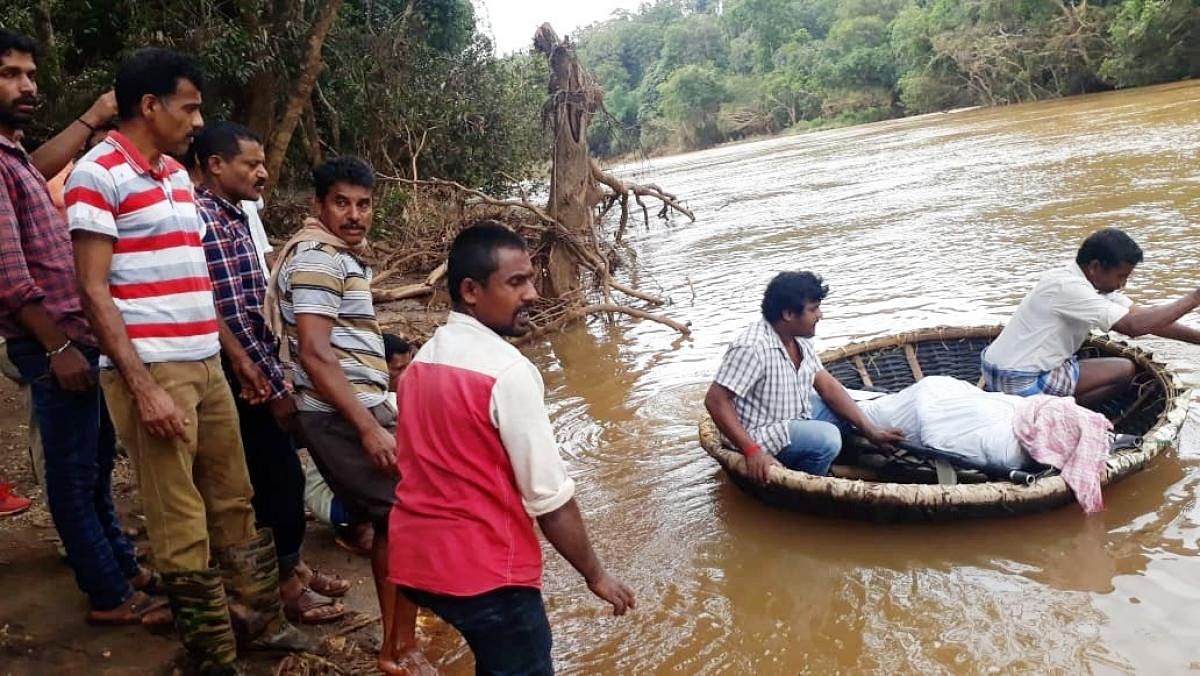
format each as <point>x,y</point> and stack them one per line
<point>478,462</point>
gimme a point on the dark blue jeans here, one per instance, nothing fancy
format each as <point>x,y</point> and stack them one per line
<point>507,628</point>
<point>80,447</point>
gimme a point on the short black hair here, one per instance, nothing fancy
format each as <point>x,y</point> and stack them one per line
<point>15,42</point>
<point>154,71</point>
<point>792,291</point>
<point>346,169</point>
<point>1110,246</point>
<point>473,253</point>
<point>218,138</point>
<point>394,345</point>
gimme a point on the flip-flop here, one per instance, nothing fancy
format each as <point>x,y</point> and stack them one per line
<point>333,586</point>
<point>307,601</point>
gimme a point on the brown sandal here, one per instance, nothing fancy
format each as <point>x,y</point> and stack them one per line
<point>334,586</point>
<point>130,612</point>
<point>298,609</point>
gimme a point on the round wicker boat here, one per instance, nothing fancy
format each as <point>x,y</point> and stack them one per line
<point>870,483</point>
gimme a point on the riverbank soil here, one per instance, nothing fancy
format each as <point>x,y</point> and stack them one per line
<point>42,626</point>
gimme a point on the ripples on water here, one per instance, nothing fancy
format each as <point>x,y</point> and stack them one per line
<point>943,219</point>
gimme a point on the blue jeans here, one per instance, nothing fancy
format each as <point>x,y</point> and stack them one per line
<point>506,629</point>
<point>814,443</point>
<point>80,448</point>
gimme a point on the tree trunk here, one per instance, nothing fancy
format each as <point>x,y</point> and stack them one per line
<point>48,60</point>
<point>255,103</point>
<point>310,69</point>
<point>310,135</point>
<point>573,98</point>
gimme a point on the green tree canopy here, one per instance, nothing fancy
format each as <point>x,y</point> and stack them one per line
<point>788,63</point>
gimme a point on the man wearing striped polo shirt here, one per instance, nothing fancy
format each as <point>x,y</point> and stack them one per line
<point>335,349</point>
<point>145,287</point>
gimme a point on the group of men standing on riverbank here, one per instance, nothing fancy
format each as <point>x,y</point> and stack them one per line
<point>151,287</point>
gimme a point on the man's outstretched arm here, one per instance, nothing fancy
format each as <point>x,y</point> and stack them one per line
<point>565,530</point>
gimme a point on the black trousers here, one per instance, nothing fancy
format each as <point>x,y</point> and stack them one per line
<point>506,628</point>
<point>277,478</point>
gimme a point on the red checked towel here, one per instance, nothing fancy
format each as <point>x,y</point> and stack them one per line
<point>1058,432</point>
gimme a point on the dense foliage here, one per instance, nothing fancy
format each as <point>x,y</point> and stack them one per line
<point>689,73</point>
<point>397,79</point>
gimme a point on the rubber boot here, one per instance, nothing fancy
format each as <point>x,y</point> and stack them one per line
<point>202,620</point>
<point>251,572</point>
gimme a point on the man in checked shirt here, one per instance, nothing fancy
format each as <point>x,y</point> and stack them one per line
<point>230,162</point>
<point>772,398</point>
<point>53,347</point>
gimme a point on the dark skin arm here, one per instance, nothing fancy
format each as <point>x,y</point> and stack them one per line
<point>565,530</point>
<point>838,400</point>
<point>93,261</point>
<point>1142,320</point>
<point>719,402</point>
<point>1179,331</point>
<point>69,367</point>
<point>255,388</point>
<point>53,155</point>
<point>321,365</point>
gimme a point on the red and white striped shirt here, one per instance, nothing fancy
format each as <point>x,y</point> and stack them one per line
<point>159,276</point>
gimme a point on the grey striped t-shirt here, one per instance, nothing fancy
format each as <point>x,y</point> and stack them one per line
<point>323,280</point>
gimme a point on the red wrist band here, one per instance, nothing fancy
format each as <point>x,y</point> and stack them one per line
<point>752,451</point>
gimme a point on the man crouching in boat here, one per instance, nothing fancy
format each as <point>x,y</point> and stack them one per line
<point>1035,353</point>
<point>773,399</point>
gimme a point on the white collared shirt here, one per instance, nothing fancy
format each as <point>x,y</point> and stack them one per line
<point>1052,322</point>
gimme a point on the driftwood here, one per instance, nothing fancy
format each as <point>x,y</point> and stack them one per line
<point>587,257</point>
<point>619,193</point>
<point>421,290</point>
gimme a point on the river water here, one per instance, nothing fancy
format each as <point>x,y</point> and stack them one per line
<point>941,219</point>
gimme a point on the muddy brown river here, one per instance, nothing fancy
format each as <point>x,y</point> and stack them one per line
<point>942,219</point>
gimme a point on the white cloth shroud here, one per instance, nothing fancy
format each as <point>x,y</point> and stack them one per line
<point>955,417</point>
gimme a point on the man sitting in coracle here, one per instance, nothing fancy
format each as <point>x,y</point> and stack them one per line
<point>772,398</point>
<point>1035,353</point>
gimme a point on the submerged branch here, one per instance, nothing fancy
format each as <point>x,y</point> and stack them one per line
<point>598,308</point>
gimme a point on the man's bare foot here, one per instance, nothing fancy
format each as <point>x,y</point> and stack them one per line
<point>411,663</point>
<point>356,539</point>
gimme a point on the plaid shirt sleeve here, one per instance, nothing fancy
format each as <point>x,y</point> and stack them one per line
<point>228,291</point>
<point>741,367</point>
<point>17,286</point>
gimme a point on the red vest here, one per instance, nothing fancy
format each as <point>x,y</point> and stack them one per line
<point>458,526</point>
